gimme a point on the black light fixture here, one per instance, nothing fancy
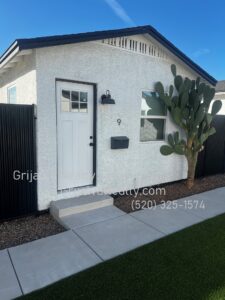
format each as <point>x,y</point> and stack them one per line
<point>106,98</point>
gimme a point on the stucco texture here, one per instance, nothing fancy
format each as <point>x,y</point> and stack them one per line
<point>126,75</point>
<point>23,75</point>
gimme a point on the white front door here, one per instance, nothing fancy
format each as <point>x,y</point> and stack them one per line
<point>75,134</point>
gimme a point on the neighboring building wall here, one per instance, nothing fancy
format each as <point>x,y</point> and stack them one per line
<point>23,75</point>
<point>125,74</point>
<point>220,95</point>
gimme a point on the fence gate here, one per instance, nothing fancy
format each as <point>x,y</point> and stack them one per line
<point>17,156</point>
<point>212,159</point>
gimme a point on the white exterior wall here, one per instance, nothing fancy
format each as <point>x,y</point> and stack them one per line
<point>220,96</point>
<point>125,74</point>
<point>23,75</point>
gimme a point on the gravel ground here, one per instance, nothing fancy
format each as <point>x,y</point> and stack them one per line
<point>173,191</point>
<point>23,230</point>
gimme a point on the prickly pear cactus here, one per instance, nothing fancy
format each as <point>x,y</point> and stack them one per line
<point>188,102</point>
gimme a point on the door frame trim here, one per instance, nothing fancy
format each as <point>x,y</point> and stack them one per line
<point>94,167</point>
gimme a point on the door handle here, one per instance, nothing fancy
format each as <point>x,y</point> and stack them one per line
<point>91,144</point>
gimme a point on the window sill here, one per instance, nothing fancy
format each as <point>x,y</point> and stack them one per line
<point>153,141</point>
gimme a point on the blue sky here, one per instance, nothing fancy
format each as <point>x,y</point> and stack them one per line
<point>197,27</point>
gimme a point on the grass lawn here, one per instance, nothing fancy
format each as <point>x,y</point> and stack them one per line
<point>189,264</point>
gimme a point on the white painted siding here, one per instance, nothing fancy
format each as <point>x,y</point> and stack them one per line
<point>125,74</point>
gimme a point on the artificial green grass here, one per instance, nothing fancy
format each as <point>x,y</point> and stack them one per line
<point>189,265</point>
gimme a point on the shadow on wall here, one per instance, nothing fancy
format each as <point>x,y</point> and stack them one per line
<point>26,65</point>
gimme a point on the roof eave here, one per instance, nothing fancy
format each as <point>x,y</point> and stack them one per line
<point>25,44</point>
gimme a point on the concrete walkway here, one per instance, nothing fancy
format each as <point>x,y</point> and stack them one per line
<point>98,236</point>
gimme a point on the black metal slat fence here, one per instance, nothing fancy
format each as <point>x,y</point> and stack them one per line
<point>17,153</point>
<point>212,160</point>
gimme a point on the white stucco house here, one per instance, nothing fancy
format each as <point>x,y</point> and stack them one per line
<point>78,149</point>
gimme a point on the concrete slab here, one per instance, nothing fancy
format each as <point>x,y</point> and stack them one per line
<point>116,236</point>
<point>210,207</point>
<point>213,195</point>
<point>218,194</point>
<point>9,286</point>
<point>204,205</point>
<point>91,217</point>
<point>47,260</point>
<point>108,231</point>
<point>166,220</point>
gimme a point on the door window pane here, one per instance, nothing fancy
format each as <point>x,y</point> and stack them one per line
<point>65,106</point>
<point>151,105</point>
<point>74,106</point>
<point>152,129</point>
<point>65,95</point>
<point>83,107</point>
<point>83,97</point>
<point>75,96</point>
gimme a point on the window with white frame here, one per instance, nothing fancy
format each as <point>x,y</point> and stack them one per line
<point>153,117</point>
<point>11,94</point>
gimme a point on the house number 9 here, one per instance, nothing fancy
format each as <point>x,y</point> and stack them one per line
<point>119,121</point>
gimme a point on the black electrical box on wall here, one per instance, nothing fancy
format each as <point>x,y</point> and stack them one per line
<point>119,142</point>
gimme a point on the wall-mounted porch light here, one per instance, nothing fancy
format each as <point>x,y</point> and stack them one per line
<point>106,98</point>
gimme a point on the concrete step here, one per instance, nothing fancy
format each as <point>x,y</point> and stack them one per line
<point>67,207</point>
<point>91,217</point>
